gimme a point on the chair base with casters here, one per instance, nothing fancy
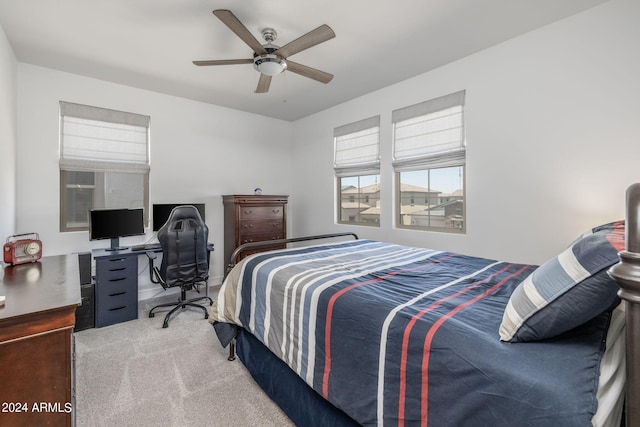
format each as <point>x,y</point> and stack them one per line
<point>185,260</point>
<point>182,303</point>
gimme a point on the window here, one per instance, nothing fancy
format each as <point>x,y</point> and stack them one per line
<point>429,156</point>
<point>357,168</point>
<point>359,200</point>
<point>104,162</point>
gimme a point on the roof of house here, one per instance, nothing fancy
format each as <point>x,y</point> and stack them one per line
<point>353,205</point>
<point>375,188</point>
<point>456,193</point>
<point>409,209</point>
<point>371,211</point>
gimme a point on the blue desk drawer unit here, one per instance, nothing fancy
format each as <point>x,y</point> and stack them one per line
<point>116,289</point>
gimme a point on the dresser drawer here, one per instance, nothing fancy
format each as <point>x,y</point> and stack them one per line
<point>249,238</point>
<point>261,212</point>
<point>259,227</point>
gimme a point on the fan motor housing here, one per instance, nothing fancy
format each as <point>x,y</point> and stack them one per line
<point>269,64</point>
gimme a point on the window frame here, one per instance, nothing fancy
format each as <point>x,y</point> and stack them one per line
<point>76,155</point>
<point>339,219</point>
<point>427,156</point>
<point>398,205</point>
<point>364,165</point>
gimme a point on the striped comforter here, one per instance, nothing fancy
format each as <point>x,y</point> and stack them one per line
<point>403,336</point>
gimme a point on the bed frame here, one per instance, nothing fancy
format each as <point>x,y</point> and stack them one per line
<point>268,243</point>
<point>626,273</point>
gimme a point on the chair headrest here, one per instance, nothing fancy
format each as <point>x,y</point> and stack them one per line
<point>183,212</point>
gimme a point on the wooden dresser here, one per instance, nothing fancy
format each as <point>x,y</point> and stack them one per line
<point>36,342</point>
<point>251,218</point>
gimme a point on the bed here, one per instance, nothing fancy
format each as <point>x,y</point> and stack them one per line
<point>361,332</point>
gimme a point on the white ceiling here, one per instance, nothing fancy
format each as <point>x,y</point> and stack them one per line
<point>150,44</point>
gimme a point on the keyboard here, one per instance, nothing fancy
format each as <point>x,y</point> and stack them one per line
<point>146,247</point>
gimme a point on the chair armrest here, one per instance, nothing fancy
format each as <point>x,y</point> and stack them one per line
<point>210,247</point>
<point>154,275</point>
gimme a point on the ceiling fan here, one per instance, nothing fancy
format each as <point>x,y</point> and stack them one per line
<point>270,59</point>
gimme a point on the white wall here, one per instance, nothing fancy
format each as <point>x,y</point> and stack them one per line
<point>8,120</point>
<point>553,139</point>
<point>552,120</point>
<point>198,153</point>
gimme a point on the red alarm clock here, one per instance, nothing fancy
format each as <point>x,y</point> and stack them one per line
<point>20,249</point>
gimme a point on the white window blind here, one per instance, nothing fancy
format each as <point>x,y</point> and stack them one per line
<point>429,134</point>
<point>102,140</point>
<point>357,148</point>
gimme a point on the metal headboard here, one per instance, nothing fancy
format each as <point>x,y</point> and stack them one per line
<point>253,245</point>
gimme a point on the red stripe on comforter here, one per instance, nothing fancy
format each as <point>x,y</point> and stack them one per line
<point>332,301</point>
<point>429,339</point>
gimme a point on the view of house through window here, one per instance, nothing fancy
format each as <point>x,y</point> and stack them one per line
<point>432,198</point>
<point>360,199</point>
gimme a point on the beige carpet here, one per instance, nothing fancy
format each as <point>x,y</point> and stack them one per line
<point>138,374</point>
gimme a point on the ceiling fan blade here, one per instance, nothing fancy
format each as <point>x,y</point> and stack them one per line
<point>224,62</point>
<point>312,38</point>
<point>309,72</point>
<point>234,24</point>
<point>263,84</point>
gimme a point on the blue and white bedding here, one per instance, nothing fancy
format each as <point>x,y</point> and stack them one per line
<point>402,336</point>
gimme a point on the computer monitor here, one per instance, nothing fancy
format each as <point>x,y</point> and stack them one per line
<point>115,223</point>
<point>161,212</point>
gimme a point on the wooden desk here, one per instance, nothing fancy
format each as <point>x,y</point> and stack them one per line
<point>36,342</point>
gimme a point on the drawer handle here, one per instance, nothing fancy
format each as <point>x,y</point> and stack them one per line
<point>116,259</point>
<point>117,308</point>
<point>119,279</point>
<point>118,269</point>
<point>275,211</point>
<point>247,226</point>
<point>249,212</point>
<point>117,293</point>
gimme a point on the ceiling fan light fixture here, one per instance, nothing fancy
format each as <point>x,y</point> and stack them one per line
<point>269,65</point>
<point>268,59</point>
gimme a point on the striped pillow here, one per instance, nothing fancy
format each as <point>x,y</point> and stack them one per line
<point>568,290</point>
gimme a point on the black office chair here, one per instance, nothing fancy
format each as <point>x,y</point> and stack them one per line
<point>185,259</point>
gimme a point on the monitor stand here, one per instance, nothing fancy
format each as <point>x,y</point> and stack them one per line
<point>115,245</point>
